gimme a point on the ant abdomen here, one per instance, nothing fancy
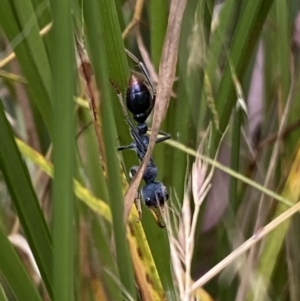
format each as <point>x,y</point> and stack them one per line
<point>138,99</point>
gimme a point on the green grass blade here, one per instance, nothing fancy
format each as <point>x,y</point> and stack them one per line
<point>235,158</point>
<point>160,249</point>
<point>62,59</point>
<point>25,201</point>
<point>158,15</point>
<point>20,27</point>
<point>248,29</point>
<point>14,272</point>
<point>116,58</point>
<point>117,67</point>
<point>283,38</point>
<point>105,56</point>
<point>91,162</point>
<point>2,294</point>
<point>103,244</point>
<point>33,40</point>
<point>81,192</point>
<point>274,242</point>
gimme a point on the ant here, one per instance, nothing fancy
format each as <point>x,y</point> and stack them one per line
<point>140,103</point>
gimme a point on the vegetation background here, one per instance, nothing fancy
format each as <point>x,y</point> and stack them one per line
<point>231,167</point>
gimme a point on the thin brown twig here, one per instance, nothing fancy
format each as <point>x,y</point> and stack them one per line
<point>146,57</point>
<point>272,138</point>
<point>135,19</point>
<point>147,61</point>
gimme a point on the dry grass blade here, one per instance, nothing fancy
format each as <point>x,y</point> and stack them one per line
<point>167,66</point>
<point>232,173</point>
<point>246,246</point>
<point>147,60</point>
<point>182,242</point>
<point>92,93</point>
<point>21,243</point>
<point>166,77</point>
<point>146,57</point>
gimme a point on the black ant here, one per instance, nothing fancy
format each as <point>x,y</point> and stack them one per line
<point>140,103</point>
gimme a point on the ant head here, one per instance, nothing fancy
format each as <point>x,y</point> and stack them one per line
<point>154,194</point>
<point>138,99</point>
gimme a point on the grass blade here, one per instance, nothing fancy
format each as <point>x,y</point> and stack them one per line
<point>246,34</point>
<point>15,273</point>
<point>25,200</point>
<point>62,59</point>
<point>101,54</point>
<point>20,27</point>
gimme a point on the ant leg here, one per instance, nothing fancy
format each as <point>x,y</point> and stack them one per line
<point>124,147</point>
<point>144,69</point>
<point>165,137</point>
<point>157,212</point>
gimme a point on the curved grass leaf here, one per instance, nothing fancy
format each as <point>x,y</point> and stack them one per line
<point>15,273</point>
<point>97,205</point>
<point>20,26</point>
<point>25,201</point>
